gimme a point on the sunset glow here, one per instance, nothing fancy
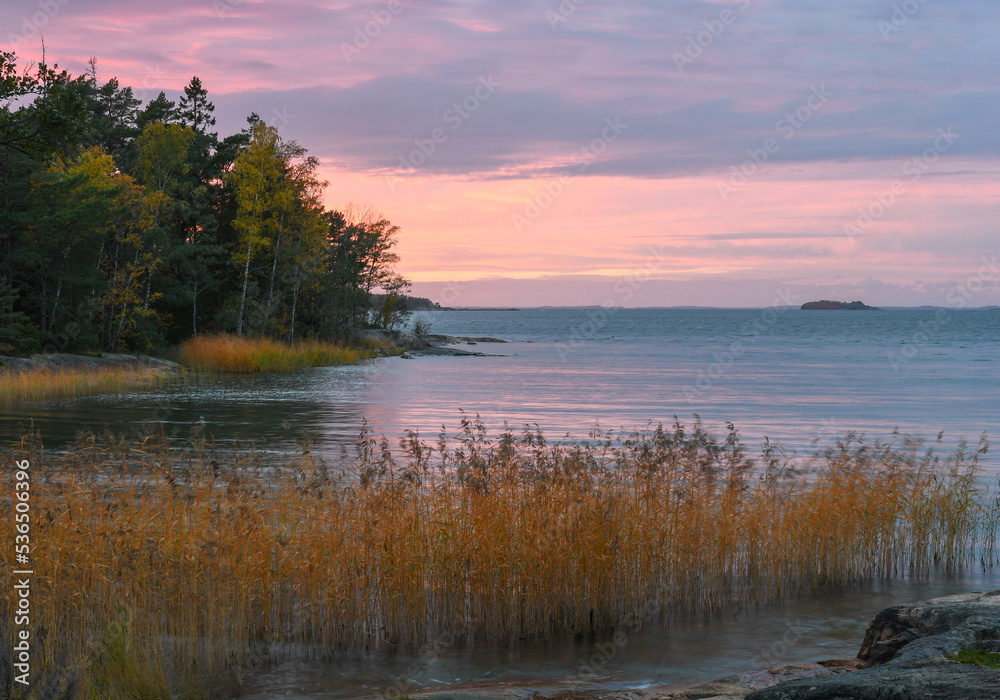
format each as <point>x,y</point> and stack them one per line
<point>536,153</point>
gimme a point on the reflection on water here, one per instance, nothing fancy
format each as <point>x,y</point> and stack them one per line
<point>805,377</point>
<point>280,410</point>
<point>828,626</point>
<point>809,377</point>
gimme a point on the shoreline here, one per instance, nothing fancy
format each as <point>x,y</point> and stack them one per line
<point>70,361</point>
<point>413,344</point>
<point>60,375</point>
<point>948,645</point>
<point>404,342</point>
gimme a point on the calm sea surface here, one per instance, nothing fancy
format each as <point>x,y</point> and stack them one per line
<point>799,378</point>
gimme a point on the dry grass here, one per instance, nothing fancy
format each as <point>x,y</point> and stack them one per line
<point>379,345</point>
<point>159,569</point>
<point>47,383</point>
<point>228,353</point>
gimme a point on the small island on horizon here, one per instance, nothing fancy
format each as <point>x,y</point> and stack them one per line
<point>827,305</point>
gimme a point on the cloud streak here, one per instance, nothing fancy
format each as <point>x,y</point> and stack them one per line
<point>410,61</point>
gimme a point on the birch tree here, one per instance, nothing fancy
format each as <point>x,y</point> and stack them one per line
<point>256,179</point>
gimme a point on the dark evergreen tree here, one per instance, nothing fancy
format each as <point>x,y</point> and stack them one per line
<point>159,110</point>
<point>17,334</point>
<point>112,118</point>
<point>195,110</point>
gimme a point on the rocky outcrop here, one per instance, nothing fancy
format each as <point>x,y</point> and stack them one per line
<point>911,651</point>
<point>827,305</point>
<point>470,340</point>
<point>426,344</point>
<point>102,361</point>
<point>895,627</point>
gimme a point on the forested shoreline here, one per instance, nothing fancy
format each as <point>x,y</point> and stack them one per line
<point>128,227</point>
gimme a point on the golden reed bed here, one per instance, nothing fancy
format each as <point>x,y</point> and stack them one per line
<point>160,567</point>
<point>52,383</point>
<point>230,353</point>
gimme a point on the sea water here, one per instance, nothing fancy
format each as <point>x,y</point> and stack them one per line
<point>799,378</point>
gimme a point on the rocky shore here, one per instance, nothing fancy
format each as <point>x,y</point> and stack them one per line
<point>916,651</point>
<point>428,344</point>
<point>940,649</point>
<point>102,361</point>
<point>411,344</point>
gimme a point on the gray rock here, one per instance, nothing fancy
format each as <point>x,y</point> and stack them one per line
<point>471,340</point>
<point>899,625</point>
<point>430,344</point>
<point>910,649</point>
<point>436,350</point>
<point>66,361</point>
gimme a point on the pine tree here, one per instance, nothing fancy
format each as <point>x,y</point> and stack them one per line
<point>159,110</point>
<point>195,110</point>
<point>17,334</point>
<point>112,115</point>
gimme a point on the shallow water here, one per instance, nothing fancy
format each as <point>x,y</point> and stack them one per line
<point>810,629</point>
<point>801,378</point>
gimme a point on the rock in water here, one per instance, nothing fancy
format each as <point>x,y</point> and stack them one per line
<point>911,649</point>
<point>827,305</point>
<point>895,627</point>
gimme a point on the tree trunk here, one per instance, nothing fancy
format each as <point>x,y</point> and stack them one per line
<point>246,269</point>
<point>243,296</point>
<point>274,269</point>
<point>194,309</point>
<point>55,302</point>
<point>149,279</point>
<point>295,300</point>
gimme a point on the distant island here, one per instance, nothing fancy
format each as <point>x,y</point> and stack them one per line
<point>826,305</point>
<point>425,304</point>
<point>412,303</point>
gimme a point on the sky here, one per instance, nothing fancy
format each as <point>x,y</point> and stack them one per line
<point>736,153</point>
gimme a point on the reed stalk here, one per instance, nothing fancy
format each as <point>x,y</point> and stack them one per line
<point>229,353</point>
<point>161,568</point>
<point>48,383</point>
